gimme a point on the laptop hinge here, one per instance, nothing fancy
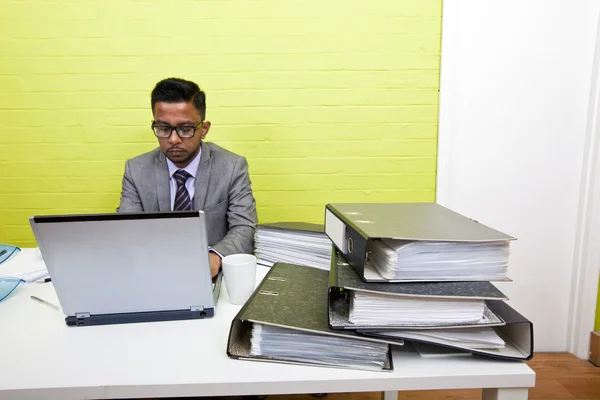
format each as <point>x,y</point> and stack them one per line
<point>81,316</point>
<point>197,308</point>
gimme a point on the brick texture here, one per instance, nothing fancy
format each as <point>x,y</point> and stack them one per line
<point>330,101</point>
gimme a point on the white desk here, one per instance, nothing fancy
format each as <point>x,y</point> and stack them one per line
<point>42,358</point>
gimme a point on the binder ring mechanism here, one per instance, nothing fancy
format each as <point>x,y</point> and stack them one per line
<point>268,292</point>
<point>272,292</point>
<point>277,278</point>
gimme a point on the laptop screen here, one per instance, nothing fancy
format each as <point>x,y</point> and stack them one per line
<point>127,262</point>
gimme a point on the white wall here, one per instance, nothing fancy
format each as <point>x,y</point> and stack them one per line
<point>515,87</point>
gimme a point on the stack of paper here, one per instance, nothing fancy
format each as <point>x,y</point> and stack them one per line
<point>467,338</point>
<point>293,243</point>
<point>439,261</point>
<point>307,347</point>
<point>376,309</point>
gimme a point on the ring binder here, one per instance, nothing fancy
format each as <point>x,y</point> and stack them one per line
<point>300,307</point>
<point>344,282</point>
<point>355,228</point>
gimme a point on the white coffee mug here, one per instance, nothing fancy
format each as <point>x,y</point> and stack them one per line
<point>239,272</point>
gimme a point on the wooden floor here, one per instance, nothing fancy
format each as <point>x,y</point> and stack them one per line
<point>558,376</point>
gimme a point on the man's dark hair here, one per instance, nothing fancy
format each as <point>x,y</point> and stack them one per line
<point>176,90</point>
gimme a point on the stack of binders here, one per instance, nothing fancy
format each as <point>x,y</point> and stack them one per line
<point>416,273</point>
<point>422,273</point>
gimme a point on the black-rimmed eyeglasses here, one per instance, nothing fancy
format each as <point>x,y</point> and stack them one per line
<point>183,131</point>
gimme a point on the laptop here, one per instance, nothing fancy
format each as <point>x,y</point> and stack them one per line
<point>129,267</point>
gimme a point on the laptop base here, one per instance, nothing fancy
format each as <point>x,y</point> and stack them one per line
<point>126,318</point>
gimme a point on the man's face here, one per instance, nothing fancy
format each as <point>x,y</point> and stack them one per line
<point>180,150</point>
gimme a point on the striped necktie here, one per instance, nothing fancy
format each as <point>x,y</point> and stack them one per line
<point>182,197</point>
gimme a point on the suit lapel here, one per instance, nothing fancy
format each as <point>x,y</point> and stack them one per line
<point>161,178</point>
<point>202,178</point>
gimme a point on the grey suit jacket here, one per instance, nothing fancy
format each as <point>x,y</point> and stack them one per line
<point>222,190</point>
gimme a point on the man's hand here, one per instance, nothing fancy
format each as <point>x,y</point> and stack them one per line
<point>215,264</point>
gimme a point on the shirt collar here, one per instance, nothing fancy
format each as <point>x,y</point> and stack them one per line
<point>191,168</point>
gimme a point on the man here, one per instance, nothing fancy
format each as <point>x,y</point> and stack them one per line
<point>185,173</point>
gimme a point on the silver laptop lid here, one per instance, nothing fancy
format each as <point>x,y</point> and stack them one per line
<point>127,262</point>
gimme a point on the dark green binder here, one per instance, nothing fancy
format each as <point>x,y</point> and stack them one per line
<point>343,280</point>
<point>293,297</point>
<point>517,332</point>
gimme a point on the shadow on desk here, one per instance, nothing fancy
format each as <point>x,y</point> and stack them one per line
<point>461,394</point>
<point>339,396</point>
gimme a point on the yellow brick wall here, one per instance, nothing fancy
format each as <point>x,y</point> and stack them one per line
<point>330,101</point>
